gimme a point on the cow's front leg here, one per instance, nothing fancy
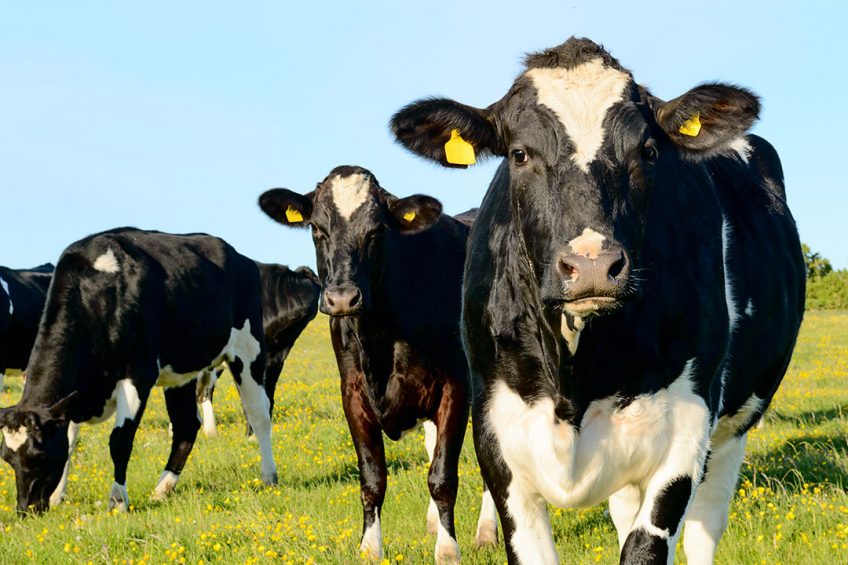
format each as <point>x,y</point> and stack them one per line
<point>443,479</point>
<point>59,492</point>
<point>130,400</point>
<point>257,409</point>
<point>182,411</point>
<point>367,439</point>
<point>623,507</point>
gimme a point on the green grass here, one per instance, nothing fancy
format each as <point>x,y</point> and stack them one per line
<point>791,508</point>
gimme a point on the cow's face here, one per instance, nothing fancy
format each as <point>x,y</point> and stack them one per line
<point>583,144</point>
<point>35,444</point>
<point>351,218</point>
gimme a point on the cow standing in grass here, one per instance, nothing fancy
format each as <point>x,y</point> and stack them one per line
<point>127,310</point>
<point>391,269</point>
<point>289,303</point>
<point>22,296</point>
<point>632,296</point>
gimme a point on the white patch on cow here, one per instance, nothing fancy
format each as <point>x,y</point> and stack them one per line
<point>447,549</point>
<point>372,539</point>
<point>707,517</point>
<point>208,418</point>
<point>5,286</point>
<point>107,263</point>
<point>349,193</point>
<point>205,382</point>
<point>749,308</point>
<point>119,498</point>
<point>168,378</point>
<point>532,540</point>
<point>732,310</point>
<point>571,336</point>
<point>15,438</point>
<point>430,434</point>
<point>729,425</point>
<point>166,484</point>
<point>580,97</point>
<point>623,507</point>
<point>487,523</point>
<point>127,402</point>
<point>742,147</point>
<point>588,244</point>
<point>59,492</point>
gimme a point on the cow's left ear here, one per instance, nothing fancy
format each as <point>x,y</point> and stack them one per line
<point>415,213</point>
<point>708,118</point>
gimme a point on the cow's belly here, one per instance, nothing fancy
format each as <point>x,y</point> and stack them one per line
<point>614,446</point>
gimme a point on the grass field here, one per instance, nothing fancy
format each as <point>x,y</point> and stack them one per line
<point>791,506</point>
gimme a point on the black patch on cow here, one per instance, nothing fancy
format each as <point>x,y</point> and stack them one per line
<point>642,548</point>
<point>564,409</point>
<point>570,54</point>
<point>671,503</point>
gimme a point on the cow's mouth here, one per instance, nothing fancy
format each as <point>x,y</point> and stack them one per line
<point>591,306</point>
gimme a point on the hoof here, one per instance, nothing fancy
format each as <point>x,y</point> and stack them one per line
<point>447,554</point>
<point>367,552</point>
<point>487,533</point>
<point>119,500</point>
<point>270,479</point>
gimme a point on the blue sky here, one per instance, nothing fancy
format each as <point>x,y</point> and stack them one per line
<point>176,116</point>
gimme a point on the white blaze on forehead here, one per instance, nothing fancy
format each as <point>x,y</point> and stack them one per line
<point>107,262</point>
<point>589,244</point>
<point>5,286</point>
<point>349,193</point>
<point>15,438</point>
<point>580,98</point>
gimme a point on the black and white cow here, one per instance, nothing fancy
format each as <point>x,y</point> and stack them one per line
<point>127,310</point>
<point>289,303</point>
<point>632,296</point>
<point>22,296</point>
<point>391,269</point>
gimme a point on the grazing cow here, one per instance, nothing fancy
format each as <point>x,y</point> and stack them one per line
<point>22,296</point>
<point>127,310</point>
<point>289,303</point>
<point>391,269</point>
<point>632,296</point>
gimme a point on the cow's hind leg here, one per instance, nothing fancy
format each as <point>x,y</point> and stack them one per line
<point>130,400</point>
<point>707,519</point>
<point>206,381</point>
<point>59,492</point>
<point>182,411</point>
<point>487,522</point>
<point>256,408</point>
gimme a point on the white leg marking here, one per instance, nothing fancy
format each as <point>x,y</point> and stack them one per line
<point>447,549</point>
<point>430,433</point>
<point>208,418</point>
<point>15,438</point>
<point>580,98</point>
<point>107,263</point>
<point>5,286</point>
<point>532,539</point>
<point>167,482</point>
<point>349,193</point>
<point>623,507</point>
<point>372,539</point>
<point>487,523</point>
<point>59,492</point>
<point>127,402</point>
<point>119,499</point>
<point>707,518</point>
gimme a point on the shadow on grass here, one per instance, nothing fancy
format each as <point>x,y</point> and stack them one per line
<point>345,474</point>
<point>806,459</point>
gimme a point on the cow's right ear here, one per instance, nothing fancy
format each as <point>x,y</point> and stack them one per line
<point>446,131</point>
<point>287,207</point>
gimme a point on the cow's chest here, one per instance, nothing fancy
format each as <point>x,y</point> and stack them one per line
<point>615,445</point>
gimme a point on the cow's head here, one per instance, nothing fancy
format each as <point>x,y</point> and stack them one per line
<point>583,144</point>
<point>35,444</point>
<point>351,218</point>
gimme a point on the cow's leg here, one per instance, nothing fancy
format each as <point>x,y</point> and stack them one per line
<point>130,400</point>
<point>487,523</point>
<point>2,377</point>
<point>430,445</point>
<point>256,405</point>
<point>707,518</point>
<point>623,508</point>
<point>443,479</point>
<point>184,417</point>
<point>59,492</point>
<point>367,439</point>
<point>205,391</point>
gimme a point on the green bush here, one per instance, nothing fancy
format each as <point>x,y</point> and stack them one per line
<point>829,292</point>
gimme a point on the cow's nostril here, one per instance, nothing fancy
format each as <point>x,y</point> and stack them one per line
<point>567,270</point>
<point>617,267</point>
<point>329,299</point>
<point>354,300</point>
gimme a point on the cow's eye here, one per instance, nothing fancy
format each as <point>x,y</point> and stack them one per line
<point>519,157</point>
<point>649,151</point>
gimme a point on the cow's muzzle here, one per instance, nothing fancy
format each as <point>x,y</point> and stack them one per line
<point>594,284</point>
<point>341,300</point>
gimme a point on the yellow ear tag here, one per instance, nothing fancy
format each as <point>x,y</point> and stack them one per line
<point>458,151</point>
<point>409,216</point>
<point>293,216</point>
<point>692,126</point>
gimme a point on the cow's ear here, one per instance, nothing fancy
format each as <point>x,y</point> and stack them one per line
<point>287,207</point>
<point>708,118</point>
<point>415,213</point>
<point>446,131</point>
<point>61,411</point>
